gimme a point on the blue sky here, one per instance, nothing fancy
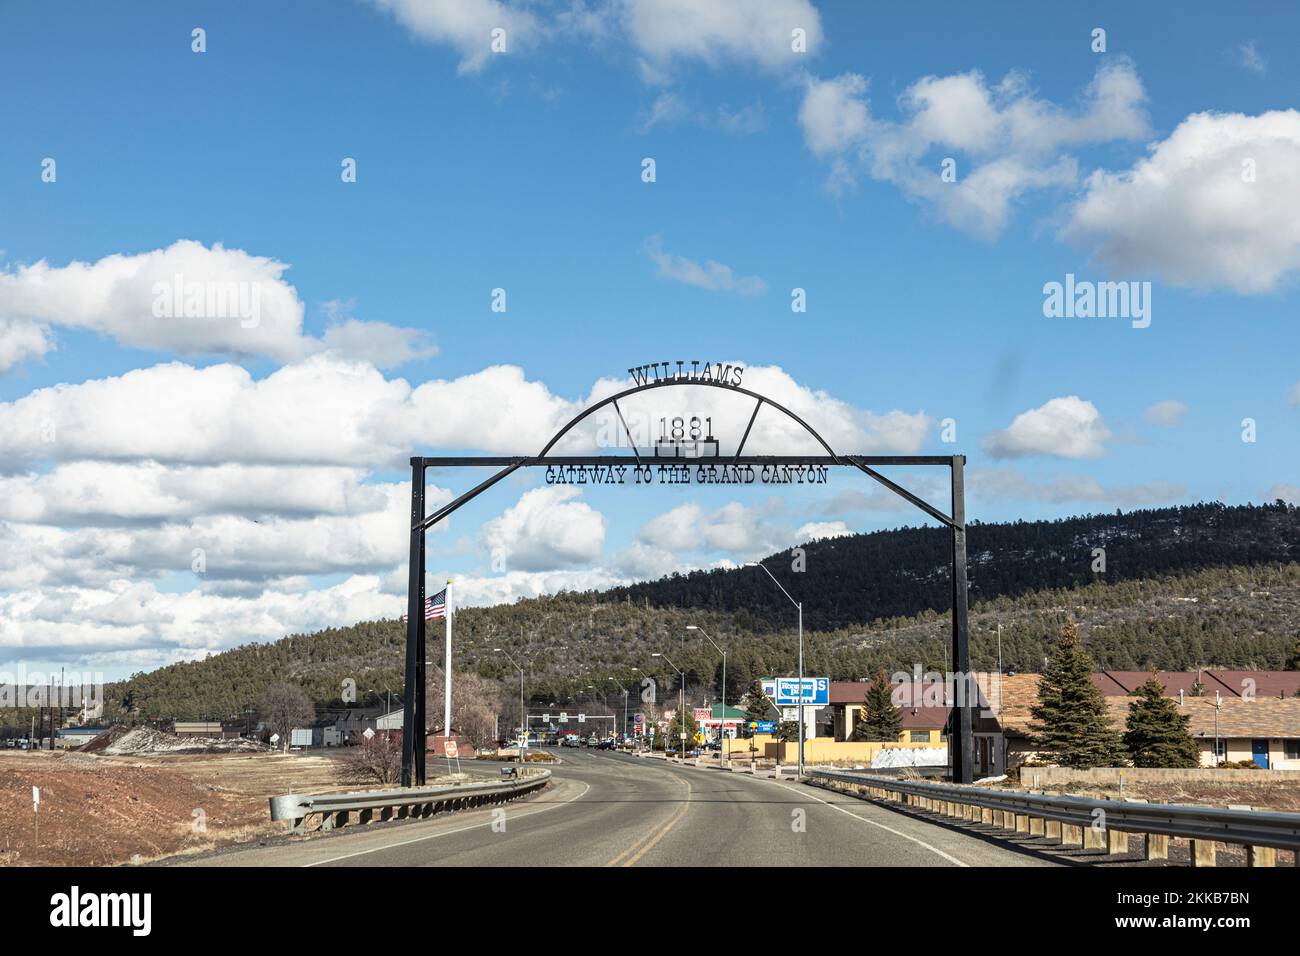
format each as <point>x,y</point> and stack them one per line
<point>522,171</point>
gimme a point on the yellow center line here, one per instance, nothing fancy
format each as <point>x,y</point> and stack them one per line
<point>657,836</point>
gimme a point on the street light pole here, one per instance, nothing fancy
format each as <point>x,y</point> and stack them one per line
<point>681,706</point>
<point>722,721</point>
<point>523,715</point>
<point>624,690</point>
<point>799,605</point>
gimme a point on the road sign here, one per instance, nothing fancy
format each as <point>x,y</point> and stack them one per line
<point>368,733</point>
<point>275,738</point>
<point>564,718</point>
<point>582,718</point>
<point>450,748</point>
<point>784,691</point>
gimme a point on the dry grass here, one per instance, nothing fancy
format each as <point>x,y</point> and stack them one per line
<point>97,810</point>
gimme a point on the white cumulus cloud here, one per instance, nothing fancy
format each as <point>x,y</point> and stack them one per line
<point>1005,140</point>
<point>1214,205</point>
<point>546,529</point>
<point>466,25</point>
<point>750,32</point>
<point>816,530</point>
<point>188,299</point>
<point>1067,427</point>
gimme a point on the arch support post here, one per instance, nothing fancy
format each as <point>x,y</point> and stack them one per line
<point>961,739</point>
<point>413,726</point>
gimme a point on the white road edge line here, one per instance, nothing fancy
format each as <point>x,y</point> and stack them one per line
<point>433,836</point>
<point>919,842</point>
<point>933,849</point>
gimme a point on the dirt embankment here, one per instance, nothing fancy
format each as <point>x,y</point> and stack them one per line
<point>99,810</point>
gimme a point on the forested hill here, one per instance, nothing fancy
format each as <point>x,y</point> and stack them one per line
<point>860,578</point>
<point>1183,588</point>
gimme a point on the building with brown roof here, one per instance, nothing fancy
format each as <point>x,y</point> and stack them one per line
<point>1262,729</point>
<point>1255,722</point>
<point>1206,682</point>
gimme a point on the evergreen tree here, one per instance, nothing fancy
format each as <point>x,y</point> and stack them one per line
<point>758,706</point>
<point>1157,733</point>
<point>675,729</point>
<point>1070,718</point>
<point>1293,662</point>
<point>880,719</point>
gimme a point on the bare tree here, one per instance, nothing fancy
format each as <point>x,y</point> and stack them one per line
<point>475,704</point>
<point>283,707</point>
<point>377,760</point>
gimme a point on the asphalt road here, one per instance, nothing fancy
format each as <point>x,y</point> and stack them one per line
<point>607,809</point>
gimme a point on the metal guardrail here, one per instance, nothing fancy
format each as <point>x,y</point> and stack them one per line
<point>1257,828</point>
<point>335,809</point>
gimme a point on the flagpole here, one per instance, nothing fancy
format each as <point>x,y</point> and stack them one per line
<point>446,693</point>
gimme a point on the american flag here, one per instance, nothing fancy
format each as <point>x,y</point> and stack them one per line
<point>434,607</point>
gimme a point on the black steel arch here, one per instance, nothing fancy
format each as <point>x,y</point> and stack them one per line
<point>414,729</point>
<point>670,382</point>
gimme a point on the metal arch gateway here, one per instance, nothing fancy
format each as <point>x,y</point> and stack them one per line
<point>414,730</point>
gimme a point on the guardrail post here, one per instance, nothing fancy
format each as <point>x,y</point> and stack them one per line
<point>1036,826</point>
<point>1094,839</point>
<point>1116,841</point>
<point>1157,846</point>
<point>1071,835</point>
<point>1022,823</point>
<point>1203,853</point>
<point>986,815</point>
<point>1052,830</point>
<point>1261,856</point>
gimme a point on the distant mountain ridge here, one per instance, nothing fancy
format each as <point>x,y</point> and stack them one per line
<point>1205,585</point>
<point>865,577</point>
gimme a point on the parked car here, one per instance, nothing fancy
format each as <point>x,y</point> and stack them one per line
<point>570,741</point>
<point>606,744</point>
<point>593,741</point>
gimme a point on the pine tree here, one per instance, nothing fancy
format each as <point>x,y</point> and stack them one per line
<point>1157,733</point>
<point>1070,718</point>
<point>758,706</point>
<point>880,719</point>
<point>1293,662</point>
<point>675,729</point>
